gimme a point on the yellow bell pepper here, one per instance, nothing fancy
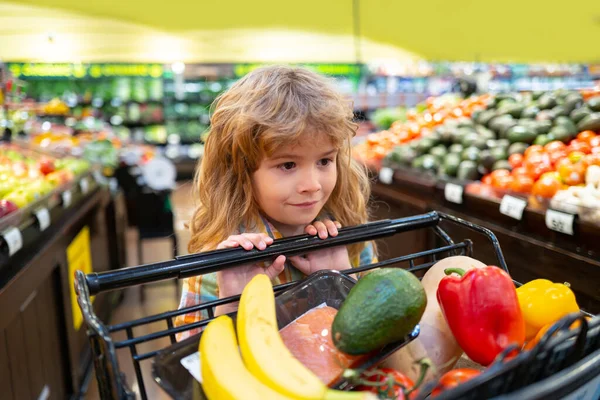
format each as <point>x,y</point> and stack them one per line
<point>544,302</point>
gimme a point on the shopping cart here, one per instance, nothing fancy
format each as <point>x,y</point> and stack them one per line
<point>552,355</point>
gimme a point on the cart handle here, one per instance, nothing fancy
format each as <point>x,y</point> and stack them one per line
<point>212,261</point>
<point>216,260</point>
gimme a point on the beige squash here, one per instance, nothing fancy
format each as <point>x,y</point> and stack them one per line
<point>435,341</point>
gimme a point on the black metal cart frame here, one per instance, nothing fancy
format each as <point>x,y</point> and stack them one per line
<point>111,381</point>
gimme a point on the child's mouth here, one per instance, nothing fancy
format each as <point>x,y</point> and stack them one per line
<point>307,204</point>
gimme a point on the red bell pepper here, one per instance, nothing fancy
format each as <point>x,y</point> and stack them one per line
<point>482,311</point>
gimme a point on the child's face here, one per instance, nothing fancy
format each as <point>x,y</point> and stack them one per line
<point>293,185</point>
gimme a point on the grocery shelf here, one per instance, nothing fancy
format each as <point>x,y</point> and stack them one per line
<point>532,249</point>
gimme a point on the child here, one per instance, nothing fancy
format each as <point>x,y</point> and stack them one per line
<point>277,163</point>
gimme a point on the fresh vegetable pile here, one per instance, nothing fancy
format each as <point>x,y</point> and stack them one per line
<point>460,305</point>
<point>418,124</point>
<point>537,145</point>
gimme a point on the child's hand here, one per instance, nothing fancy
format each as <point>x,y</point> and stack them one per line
<point>232,281</point>
<point>335,258</point>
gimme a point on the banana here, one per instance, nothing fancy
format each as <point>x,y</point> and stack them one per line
<point>263,350</point>
<point>224,376</point>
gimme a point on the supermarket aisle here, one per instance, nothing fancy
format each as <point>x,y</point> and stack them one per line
<point>159,297</point>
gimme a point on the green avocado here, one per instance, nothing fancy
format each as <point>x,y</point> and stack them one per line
<point>567,123</point>
<point>382,308</point>
<point>517,148</point>
<point>521,133</point>
<point>430,163</point>
<point>456,148</point>
<point>561,133</point>
<point>590,123</point>
<point>486,159</point>
<point>426,144</point>
<point>543,139</point>
<point>450,165</point>
<point>530,112</point>
<point>579,114</point>
<point>439,151</point>
<point>594,103</point>
<point>547,101</point>
<point>502,164</point>
<point>499,153</point>
<point>471,153</point>
<point>467,170</point>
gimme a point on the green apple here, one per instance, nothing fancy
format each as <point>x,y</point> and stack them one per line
<point>21,197</point>
<point>40,187</point>
<point>8,186</point>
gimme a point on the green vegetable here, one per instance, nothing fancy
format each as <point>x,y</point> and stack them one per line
<point>382,308</point>
<point>521,133</point>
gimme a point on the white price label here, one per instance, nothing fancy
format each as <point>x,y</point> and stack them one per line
<point>66,198</point>
<point>560,221</point>
<point>513,207</point>
<point>43,217</point>
<point>453,193</point>
<point>192,364</point>
<point>14,240</point>
<point>84,185</point>
<point>386,175</point>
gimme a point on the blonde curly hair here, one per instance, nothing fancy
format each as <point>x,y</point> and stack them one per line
<point>269,108</point>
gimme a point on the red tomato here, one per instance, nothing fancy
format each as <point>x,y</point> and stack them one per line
<point>519,171</point>
<point>546,187</point>
<point>515,160</point>
<point>595,142</point>
<point>454,378</point>
<point>557,155</point>
<point>586,136</point>
<point>502,182</point>
<point>521,184</point>
<point>536,148</point>
<point>554,146</point>
<point>592,159</point>
<point>487,180</point>
<point>402,383</point>
<point>537,164</point>
<point>577,145</point>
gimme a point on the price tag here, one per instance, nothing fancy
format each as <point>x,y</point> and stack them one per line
<point>66,198</point>
<point>560,221</point>
<point>14,240</point>
<point>513,207</point>
<point>386,175</point>
<point>84,185</point>
<point>453,193</point>
<point>43,217</point>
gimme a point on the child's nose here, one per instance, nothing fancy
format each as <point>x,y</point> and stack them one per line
<point>309,182</point>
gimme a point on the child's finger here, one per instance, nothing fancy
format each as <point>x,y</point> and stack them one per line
<point>321,229</point>
<point>338,225</point>
<point>331,228</point>
<point>276,267</point>
<point>301,263</point>
<point>243,241</point>
<point>310,230</point>
<point>227,244</point>
<point>257,240</point>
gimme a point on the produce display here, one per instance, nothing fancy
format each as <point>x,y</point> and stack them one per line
<point>293,363</point>
<point>418,124</point>
<point>26,176</point>
<point>534,145</point>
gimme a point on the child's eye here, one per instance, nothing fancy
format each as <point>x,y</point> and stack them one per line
<point>287,166</point>
<point>325,161</point>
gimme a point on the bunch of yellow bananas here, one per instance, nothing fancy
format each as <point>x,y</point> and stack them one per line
<point>265,369</point>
